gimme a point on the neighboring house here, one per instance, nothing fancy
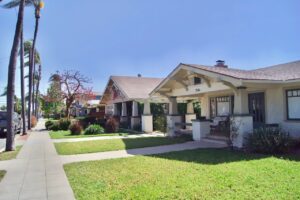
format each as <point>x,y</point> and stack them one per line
<point>88,104</point>
<point>124,97</point>
<point>266,96</point>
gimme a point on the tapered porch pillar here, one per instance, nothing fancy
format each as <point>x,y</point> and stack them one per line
<point>135,119</point>
<point>241,101</point>
<point>241,123</point>
<point>147,118</point>
<point>124,113</point>
<point>190,115</point>
<point>115,110</point>
<point>173,117</point>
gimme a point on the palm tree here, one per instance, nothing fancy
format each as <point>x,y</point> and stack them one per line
<point>38,5</point>
<point>37,93</point>
<point>11,77</point>
<point>22,65</point>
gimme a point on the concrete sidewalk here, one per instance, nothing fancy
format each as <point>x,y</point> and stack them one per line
<point>37,173</point>
<point>141,151</point>
<point>108,137</point>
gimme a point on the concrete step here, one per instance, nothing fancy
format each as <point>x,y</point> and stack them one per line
<point>216,139</point>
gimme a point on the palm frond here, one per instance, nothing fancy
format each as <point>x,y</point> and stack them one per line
<point>15,3</point>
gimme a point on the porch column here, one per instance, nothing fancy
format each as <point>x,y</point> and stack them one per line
<point>115,110</point>
<point>205,107</point>
<point>147,118</point>
<point>173,117</point>
<point>124,113</point>
<point>135,119</point>
<point>241,123</point>
<point>241,101</point>
<point>190,115</point>
<point>201,129</point>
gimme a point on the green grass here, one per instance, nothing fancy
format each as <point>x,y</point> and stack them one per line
<point>8,155</point>
<point>2,173</point>
<point>67,148</point>
<point>192,174</point>
<point>67,134</point>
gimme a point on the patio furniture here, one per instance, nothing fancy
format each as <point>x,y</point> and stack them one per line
<point>220,126</point>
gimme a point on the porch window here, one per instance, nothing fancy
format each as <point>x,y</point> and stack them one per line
<point>221,106</point>
<point>293,102</point>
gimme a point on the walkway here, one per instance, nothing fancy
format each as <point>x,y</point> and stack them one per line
<point>141,151</point>
<point>37,173</point>
<point>107,137</point>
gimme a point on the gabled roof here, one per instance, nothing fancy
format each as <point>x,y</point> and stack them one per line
<point>136,87</point>
<point>281,72</point>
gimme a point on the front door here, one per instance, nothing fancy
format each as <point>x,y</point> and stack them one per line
<point>257,108</point>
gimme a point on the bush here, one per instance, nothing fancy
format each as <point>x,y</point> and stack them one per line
<point>48,124</point>
<point>64,124</point>
<point>94,129</point>
<point>111,125</point>
<point>55,126</point>
<point>33,121</point>
<point>160,123</point>
<point>269,140</point>
<point>75,128</point>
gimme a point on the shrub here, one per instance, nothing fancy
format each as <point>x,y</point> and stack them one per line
<point>160,123</point>
<point>64,124</point>
<point>269,140</point>
<point>48,124</point>
<point>94,129</point>
<point>111,125</point>
<point>33,121</point>
<point>55,126</point>
<point>75,128</point>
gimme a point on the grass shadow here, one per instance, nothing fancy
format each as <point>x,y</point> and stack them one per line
<point>218,156</point>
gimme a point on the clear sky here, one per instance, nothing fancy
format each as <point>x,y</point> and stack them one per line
<point>126,37</point>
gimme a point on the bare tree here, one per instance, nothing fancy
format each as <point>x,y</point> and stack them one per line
<point>73,85</point>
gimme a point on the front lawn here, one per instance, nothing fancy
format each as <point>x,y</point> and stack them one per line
<point>192,174</point>
<point>67,148</point>
<point>2,173</point>
<point>8,155</point>
<point>67,134</point>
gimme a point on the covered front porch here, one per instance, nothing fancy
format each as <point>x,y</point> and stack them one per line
<point>224,104</point>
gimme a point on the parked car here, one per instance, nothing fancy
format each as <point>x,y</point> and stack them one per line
<point>17,123</point>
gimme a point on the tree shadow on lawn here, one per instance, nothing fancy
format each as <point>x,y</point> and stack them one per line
<point>219,156</point>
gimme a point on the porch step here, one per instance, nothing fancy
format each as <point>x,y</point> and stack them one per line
<point>216,139</point>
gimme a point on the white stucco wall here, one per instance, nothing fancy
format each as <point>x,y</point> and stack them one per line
<point>276,110</point>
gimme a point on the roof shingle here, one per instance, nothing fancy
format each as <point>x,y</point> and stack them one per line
<point>281,72</point>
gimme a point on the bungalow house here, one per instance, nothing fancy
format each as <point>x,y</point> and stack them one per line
<point>124,96</point>
<point>252,98</point>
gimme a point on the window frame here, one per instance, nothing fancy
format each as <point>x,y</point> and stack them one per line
<point>215,100</point>
<point>199,79</point>
<point>287,102</point>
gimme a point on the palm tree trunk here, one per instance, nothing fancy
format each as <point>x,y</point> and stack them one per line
<point>23,113</point>
<point>32,65</point>
<point>11,79</point>
<point>29,91</point>
<point>33,87</point>
<point>37,91</point>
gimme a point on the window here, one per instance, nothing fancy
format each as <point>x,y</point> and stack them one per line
<point>293,104</point>
<point>197,80</point>
<point>221,106</point>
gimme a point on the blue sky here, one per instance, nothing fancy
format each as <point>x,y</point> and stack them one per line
<point>126,37</point>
